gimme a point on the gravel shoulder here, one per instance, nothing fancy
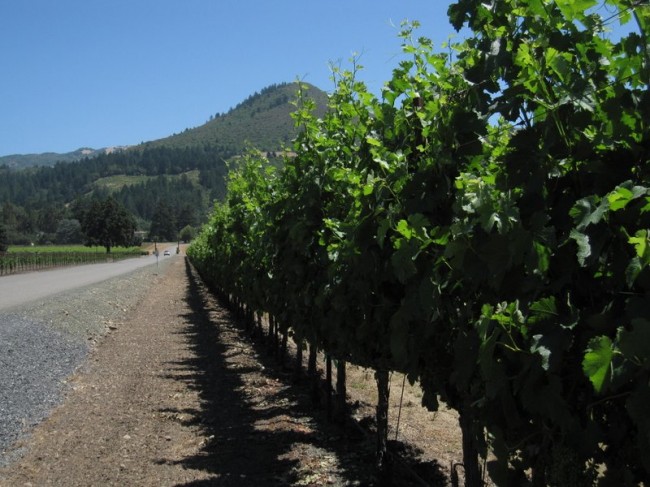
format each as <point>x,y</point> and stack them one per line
<point>42,344</point>
<point>163,388</point>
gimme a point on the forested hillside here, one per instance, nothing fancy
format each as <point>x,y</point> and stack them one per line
<point>263,121</point>
<point>175,178</point>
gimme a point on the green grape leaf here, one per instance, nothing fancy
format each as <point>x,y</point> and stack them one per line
<point>597,361</point>
<point>640,242</point>
<point>584,248</point>
<point>560,63</point>
<point>404,229</point>
<point>587,211</point>
<point>632,271</point>
<point>622,195</point>
<point>373,141</point>
<point>575,9</point>
<point>545,306</point>
<point>541,310</point>
<point>543,257</point>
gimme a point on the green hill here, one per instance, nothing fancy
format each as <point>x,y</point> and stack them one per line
<point>187,171</point>
<point>263,121</point>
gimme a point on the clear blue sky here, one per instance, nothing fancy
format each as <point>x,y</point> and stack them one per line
<point>98,73</point>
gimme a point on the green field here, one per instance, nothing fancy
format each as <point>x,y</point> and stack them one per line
<point>117,182</point>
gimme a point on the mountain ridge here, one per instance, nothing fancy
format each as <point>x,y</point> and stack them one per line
<point>22,161</point>
<point>269,108</point>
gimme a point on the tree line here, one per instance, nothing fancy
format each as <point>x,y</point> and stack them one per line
<point>482,226</point>
<point>36,201</point>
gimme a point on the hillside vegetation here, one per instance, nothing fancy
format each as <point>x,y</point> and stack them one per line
<point>262,121</point>
<point>176,177</point>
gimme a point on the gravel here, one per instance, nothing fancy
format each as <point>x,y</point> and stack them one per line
<point>42,344</point>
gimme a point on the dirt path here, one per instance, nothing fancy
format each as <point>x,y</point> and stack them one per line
<point>177,396</point>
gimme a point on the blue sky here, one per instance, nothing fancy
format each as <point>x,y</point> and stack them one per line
<point>98,73</point>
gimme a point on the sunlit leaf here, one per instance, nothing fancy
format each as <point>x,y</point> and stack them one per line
<point>404,229</point>
<point>373,141</point>
<point>640,242</point>
<point>622,195</point>
<point>543,257</point>
<point>597,361</point>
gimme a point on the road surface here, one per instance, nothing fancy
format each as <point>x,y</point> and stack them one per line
<point>21,289</point>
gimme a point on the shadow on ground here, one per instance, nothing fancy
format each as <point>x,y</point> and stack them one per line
<point>261,428</point>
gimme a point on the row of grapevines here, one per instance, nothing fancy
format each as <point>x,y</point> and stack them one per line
<point>15,262</point>
<point>482,227</point>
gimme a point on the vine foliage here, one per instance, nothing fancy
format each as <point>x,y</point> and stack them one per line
<point>483,226</point>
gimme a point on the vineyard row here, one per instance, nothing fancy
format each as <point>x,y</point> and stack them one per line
<point>483,226</point>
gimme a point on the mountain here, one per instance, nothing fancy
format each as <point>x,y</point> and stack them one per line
<point>180,175</point>
<point>262,121</point>
<point>22,161</point>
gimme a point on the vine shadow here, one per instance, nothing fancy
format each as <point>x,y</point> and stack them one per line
<point>236,451</point>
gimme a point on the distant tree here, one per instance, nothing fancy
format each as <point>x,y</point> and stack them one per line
<point>163,223</point>
<point>69,231</point>
<point>9,214</point>
<point>187,233</point>
<point>186,216</point>
<point>107,223</point>
<point>4,243</point>
<point>49,217</point>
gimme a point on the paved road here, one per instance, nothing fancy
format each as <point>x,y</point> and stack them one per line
<point>20,289</point>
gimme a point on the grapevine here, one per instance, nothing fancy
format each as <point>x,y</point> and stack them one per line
<point>483,227</point>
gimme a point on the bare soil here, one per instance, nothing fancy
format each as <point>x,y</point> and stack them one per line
<point>178,395</point>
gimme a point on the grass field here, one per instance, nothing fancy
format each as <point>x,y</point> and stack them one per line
<point>117,182</point>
